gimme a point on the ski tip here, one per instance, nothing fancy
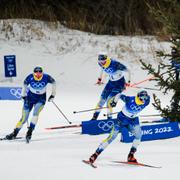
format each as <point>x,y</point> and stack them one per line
<point>48,128</point>
<point>5,139</point>
<point>137,164</point>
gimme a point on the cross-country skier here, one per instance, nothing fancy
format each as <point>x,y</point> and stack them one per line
<point>127,118</point>
<point>34,95</point>
<point>116,84</point>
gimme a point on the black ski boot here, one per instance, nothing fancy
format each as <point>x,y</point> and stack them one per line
<point>29,134</point>
<point>12,135</point>
<point>95,116</point>
<point>131,157</point>
<point>93,157</point>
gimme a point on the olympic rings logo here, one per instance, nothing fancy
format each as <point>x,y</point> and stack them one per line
<point>106,126</point>
<point>137,108</point>
<point>16,92</point>
<point>38,85</point>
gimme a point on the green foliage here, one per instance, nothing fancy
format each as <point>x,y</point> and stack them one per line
<point>166,74</point>
<point>114,17</point>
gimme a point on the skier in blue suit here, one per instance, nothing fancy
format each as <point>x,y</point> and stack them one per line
<point>127,118</point>
<point>116,84</point>
<point>34,95</point>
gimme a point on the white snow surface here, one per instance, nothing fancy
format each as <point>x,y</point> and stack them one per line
<point>70,56</point>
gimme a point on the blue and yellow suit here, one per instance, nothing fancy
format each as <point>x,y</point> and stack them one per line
<point>34,93</point>
<point>127,118</point>
<point>115,85</point>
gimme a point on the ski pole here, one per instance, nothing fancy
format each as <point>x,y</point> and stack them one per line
<point>111,113</point>
<point>140,82</point>
<point>139,115</point>
<point>61,112</point>
<point>151,115</point>
<point>139,87</point>
<point>89,110</point>
<point>62,127</point>
<point>156,121</point>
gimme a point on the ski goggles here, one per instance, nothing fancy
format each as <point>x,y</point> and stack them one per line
<point>143,98</point>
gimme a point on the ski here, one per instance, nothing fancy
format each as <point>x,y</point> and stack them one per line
<point>99,83</point>
<point>5,139</point>
<point>136,164</point>
<point>62,127</point>
<point>89,163</point>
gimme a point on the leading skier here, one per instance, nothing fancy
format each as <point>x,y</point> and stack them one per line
<point>127,118</point>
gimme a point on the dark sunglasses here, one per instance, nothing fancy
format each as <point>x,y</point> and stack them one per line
<point>40,71</point>
<point>102,57</point>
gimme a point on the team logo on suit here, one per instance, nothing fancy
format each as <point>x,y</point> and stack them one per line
<point>38,85</point>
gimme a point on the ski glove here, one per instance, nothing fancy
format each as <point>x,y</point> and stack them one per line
<point>51,98</point>
<point>24,98</point>
<point>99,81</point>
<point>128,84</point>
<point>113,103</point>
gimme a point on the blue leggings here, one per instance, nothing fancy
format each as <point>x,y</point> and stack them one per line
<point>111,89</point>
<point>25,114</point>
<point>134,129</point>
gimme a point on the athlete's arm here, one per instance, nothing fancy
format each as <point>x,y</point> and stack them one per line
<point>53,82</point>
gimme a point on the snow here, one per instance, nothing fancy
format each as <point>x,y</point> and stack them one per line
<point>70,56</point>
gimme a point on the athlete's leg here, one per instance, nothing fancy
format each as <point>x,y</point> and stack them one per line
<point>113,134</point>
<point>104,95</point>
<point>25,114</point>
<point>117,88</point>
<point>37,109</point>
<point>109,100</point>
<point>136,131</point>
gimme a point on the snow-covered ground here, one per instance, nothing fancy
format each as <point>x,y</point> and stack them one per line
<point>71,58</point>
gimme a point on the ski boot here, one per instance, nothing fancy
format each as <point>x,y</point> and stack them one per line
<point>109,117</point>
<point>12,135</point>
<point>93,157</point>
<point>131,157</point>
<point>95,116</point>
<point>29,134</point>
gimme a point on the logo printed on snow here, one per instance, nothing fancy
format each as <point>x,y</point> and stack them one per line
<point>106,126</point>
<point>16,92</point>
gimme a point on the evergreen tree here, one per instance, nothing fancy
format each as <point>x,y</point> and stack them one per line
<point>167,74</point>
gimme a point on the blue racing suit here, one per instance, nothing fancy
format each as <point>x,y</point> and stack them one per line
<point>34,95</point>
<point>127,118</point>
<point>115,85</point>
